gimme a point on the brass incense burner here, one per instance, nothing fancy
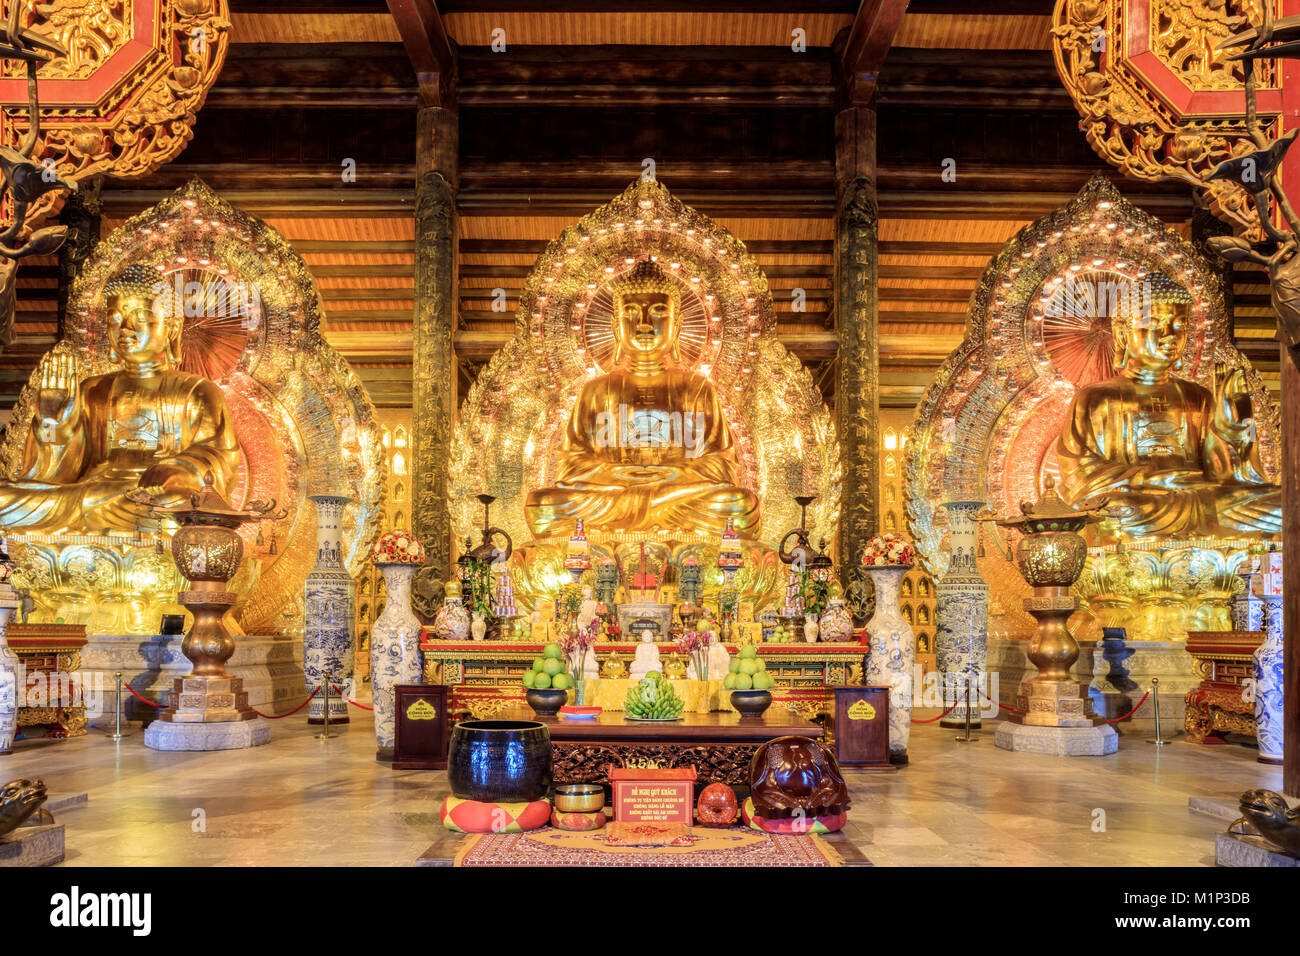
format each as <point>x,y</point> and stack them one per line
<point>1050,556</point>
<point>207,550</point>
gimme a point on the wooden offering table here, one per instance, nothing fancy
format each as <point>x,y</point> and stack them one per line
<point>1219,705</point>
<point>718,745</point>
<point>52,695</point>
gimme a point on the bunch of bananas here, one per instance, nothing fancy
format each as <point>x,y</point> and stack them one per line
<point>653,698</point>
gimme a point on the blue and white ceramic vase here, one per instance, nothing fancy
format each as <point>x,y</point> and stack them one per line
<point>891,654</point>
<point>1247,607</point>
<point>329,622</point>
<point>1268,683</point>
<point>10,673</point>
<point>962,614</point>
<point>394,652</point>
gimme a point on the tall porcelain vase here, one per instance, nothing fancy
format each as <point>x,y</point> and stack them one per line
<point>329,624</point>
<point>961,641</point>
<point>394,652</point>
<point>1268,667</point>
<point>891,655</point>
<point>10,673</point>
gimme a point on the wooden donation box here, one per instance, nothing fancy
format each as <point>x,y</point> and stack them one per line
<point>1224,660</point>
<point>862,728</point>
<point>421,731</point>
<point>653,794</point>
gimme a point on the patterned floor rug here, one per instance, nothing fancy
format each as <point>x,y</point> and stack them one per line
<point>730,847</point>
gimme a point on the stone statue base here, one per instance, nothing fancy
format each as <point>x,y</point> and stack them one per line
<point>33,846</point>
<point>228,735</point>
<point>1244,849</point>
<point>1057,741</point>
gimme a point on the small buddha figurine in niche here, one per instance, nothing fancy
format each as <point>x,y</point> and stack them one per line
<point>647,447</point>
<point>1170,457</point>
<point>647,656</point>
<point>147,425</point>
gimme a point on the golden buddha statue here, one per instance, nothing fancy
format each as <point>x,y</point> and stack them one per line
<point>146,426</point>
<point>1172,459</point>
<point>647,446</point>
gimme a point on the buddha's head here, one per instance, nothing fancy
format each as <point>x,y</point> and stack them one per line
<point>142,331</point>
<point>1151,333</point>
<point>647,316</point>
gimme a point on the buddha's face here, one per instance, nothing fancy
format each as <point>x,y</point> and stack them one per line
<point>139,333</point>
<point>1154,338</point>
<point>647,323</point>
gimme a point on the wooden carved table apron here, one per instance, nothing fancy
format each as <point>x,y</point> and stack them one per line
<point>719,745</point>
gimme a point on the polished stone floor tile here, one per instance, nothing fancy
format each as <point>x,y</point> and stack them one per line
<point>300,801</point>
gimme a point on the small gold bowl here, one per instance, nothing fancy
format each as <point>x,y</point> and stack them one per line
<point>579,797</point>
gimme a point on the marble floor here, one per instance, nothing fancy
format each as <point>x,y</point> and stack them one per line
<point>300,801</point>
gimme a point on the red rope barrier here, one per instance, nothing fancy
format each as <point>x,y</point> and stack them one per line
<point>1014,710</point>
<point>289,713</point>
<point>940,717</point>
<point>1131,712</point>
<point>354,703</point>
<point>145,700</point>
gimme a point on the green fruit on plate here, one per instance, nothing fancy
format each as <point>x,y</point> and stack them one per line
<point>729,682</point>
<point>552,666</point>
<point>749,666</point>
<point>762,681</point>
<point>734,665</point>
<point>654,676</point>
<point>541,681</point>
<point>762,664</point>
<point>744,682</point>
<point>537,663</point>
<point>529,677</point>
<point>749,651</point>
<point>553,651</point>
<point>561,682</point>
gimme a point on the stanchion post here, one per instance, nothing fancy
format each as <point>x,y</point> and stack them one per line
<point>967,739</point>
<point>1155,697</point>
<point>325,728</point>
<point>117,719</point>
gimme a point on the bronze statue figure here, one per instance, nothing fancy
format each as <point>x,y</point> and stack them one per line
<point>19,800</point>
<point>1269,815</point>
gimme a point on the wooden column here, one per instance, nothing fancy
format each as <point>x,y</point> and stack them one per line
<point>433,360</point>
<point>857,385</point>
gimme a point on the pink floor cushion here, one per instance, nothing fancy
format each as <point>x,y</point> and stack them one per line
<point>473,816</point>
<point>792,825</point>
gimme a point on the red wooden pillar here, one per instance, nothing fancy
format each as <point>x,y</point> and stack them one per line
<point>1291,468</point>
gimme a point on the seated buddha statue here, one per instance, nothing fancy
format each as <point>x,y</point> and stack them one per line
<point>1171,458</point>
<point>147,426</point>
<point>647,447</point>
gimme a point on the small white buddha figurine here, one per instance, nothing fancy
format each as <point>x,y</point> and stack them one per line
<point>587,610</point>
<point>647,656</point>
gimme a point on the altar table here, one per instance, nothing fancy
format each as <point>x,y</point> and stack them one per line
<point>718,745</point>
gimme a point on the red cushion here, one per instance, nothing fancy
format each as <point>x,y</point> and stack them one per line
<point>473,816</point>
<point>792,825</point>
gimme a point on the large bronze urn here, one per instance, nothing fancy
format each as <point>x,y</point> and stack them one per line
<point>1050,556</point>
<point>207,550</point>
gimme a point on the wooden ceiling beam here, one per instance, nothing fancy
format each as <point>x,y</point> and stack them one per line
<point>431,51</point>
<point>865,47</point>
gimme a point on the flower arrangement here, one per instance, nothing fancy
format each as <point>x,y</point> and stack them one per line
<point>575,645</point>
<point>607,619</point>
<point>397,547</point>
<point>888,548</point>
<point>696,644</point>
<point>570,601</point>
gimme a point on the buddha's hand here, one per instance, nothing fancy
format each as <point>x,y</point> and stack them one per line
<point>58,401</point>
<point>1233,410</point>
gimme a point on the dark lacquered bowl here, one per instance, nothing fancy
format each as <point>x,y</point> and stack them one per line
<point>499,761</point>
<point>751,703</point>
<point>546,703</point>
